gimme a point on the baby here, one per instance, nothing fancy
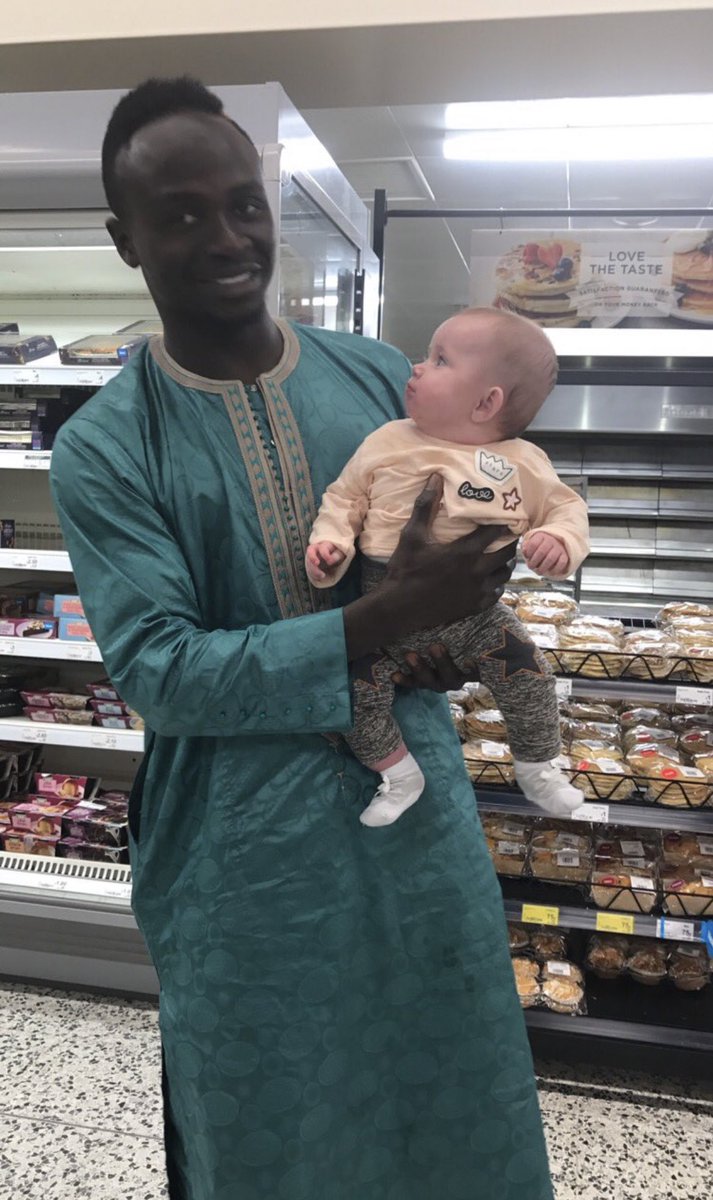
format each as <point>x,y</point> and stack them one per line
<point>486,376</point>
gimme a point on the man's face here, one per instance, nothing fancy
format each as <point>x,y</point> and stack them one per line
<point>196,218</point>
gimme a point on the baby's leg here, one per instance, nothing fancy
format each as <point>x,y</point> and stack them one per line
<point>521,681</point>
<point>377,742</point>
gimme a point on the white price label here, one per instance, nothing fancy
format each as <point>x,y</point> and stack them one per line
<point>563,687</point>
<point>52,883</point>
<point>676,931</point>
<point>695,695</point>
<point>116,891</point>
<point>80,652</point>
<point>105,741</point>
<point>23,377</point>
<point>596,813</point>
<point>8,646</point>
<point>640,883</point>
<point>26,562</point>
<point>632,849</point>
<point>36,462</point>
<point>91,377</point>
<point>559,968</point>
<point>35,733</point>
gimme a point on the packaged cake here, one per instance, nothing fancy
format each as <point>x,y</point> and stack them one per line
<point>105,349</point>
<point>25,348</point>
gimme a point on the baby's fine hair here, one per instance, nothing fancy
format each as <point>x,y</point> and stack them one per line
<point>529,366</point>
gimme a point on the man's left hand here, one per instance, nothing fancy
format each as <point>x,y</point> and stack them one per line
<point>442,676</point>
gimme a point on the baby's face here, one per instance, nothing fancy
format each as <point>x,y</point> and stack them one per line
<point>461,367</point>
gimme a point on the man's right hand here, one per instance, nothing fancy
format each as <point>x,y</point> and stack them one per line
<point>429,583</point>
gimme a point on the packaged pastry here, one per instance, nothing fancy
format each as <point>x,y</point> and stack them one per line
<point>100,824</point>
<point>650,717</point>
<point>89,851</point>
<point>457,716</point>
<point>650,657</point>
<point>506,828</point>
<point>59,716</point>
<point>682,608</point>
<point>556,835</point>
<point>509,858</point>
<point>518,938</point>
<point>688,849</point>
<point>106,349</point>
<point>679,786</point>
<point>598,660</point>
<point>646,962</point>
<point>689,967</point>
<point>600,731</point>
<point>527,981</point>
<point>66,787</point>
<point>545,637</point>
<point>623,888</point>
<point>607,955</point>
<point>105,690</point>
<point>560,865</point>
<point>602,714</point>
<point>24,348</point>
<point>48,699</point>
<point>548,944</point>
<point>509,599</point>
<point>704,763</point>
<point>640,735</point>
<point>35,627</point>
<point>592,748</point>
<point>633,851</point>
<point>696,742</point>
<point>700,661</point>
<point>488,762</point>
<point>563,988</point>
<point>687,721</point>
<point>16,842</point>
<point>546,608</point>
<point>603,779</point>
<point>486,723</point>
<point>38,815</point>
<point>687,892</point>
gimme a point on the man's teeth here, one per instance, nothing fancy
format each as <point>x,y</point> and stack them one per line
<point>243,277</point>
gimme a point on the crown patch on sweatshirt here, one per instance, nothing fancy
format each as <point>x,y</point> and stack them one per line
<point>494,466</point>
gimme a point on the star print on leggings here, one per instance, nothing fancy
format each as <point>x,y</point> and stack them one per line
<point>515,656</point>
<point>363,670</point>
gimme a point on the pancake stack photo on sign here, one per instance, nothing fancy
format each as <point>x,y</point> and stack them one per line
<point>693,276</point>
<point>539,280</point>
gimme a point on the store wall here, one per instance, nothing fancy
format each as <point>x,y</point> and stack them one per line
<point>83,20</point>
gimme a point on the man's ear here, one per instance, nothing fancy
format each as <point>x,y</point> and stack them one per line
<point>121,238</point>
<point>488,406</point>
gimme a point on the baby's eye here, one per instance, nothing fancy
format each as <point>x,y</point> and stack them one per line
<point>440,360</point>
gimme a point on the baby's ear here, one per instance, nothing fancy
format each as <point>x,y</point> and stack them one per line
<point>488,406</point>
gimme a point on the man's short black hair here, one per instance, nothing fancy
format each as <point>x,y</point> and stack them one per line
<point>149,102</point>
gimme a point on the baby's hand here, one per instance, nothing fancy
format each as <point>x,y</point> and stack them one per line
<point>546,554</point>
<point>322,559</point>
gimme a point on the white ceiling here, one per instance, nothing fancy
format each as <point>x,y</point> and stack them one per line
<point>400,148</point>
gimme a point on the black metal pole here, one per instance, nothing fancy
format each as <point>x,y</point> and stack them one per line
<point>379,220</point>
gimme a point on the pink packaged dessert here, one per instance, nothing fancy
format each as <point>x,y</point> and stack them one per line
<point>122,722</point>
<point>48,699</point>
<point>103,690</point>
<point>98,824</point>
<point>59,716</point>
<point>108,708</point>
<point>28,627</point>
<point>74,848</point>
<point>39,816</point>
<point>6,807</point>
<point>66,787</point>
<point>17,842</point>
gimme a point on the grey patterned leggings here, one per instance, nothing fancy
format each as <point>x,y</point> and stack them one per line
<point>508,663</point>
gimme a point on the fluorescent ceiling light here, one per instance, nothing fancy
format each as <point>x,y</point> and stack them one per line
<point>600,129</point>
<point>627,144</point>
<point>596,111</point>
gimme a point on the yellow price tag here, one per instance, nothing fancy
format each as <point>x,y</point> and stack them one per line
<point>540,914</point>
<point>609,922</point>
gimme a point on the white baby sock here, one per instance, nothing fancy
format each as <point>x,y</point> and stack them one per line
<point>401,787</point>
<point>546,786</point>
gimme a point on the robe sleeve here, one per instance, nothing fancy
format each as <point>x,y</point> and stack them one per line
<point>141,603</point>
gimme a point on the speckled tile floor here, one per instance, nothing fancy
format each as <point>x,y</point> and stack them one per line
<point>81,1119</point>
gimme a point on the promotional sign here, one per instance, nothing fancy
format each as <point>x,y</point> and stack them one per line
<point>595,277</point>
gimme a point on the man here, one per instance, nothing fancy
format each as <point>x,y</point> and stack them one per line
<point>338,1015</point>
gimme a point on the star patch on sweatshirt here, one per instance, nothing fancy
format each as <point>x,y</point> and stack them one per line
<point>512,500</point>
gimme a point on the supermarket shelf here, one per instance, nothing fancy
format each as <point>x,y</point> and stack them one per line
<point>645,816</point>
<point>571,917</point>
<point>50,372</point>
<point>64,882</point>
<point>50,649</point>
<point>644,514</point>
<point>617,550</point>
<point>25,460</point>
<point>633,689</point>
<point>673,1037</point>
<point>77,736</point>
<point>35,560</point>
<point>645,474</point>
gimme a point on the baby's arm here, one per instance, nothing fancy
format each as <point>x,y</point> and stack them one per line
<point>558,543</point>
<point>339,522</point>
